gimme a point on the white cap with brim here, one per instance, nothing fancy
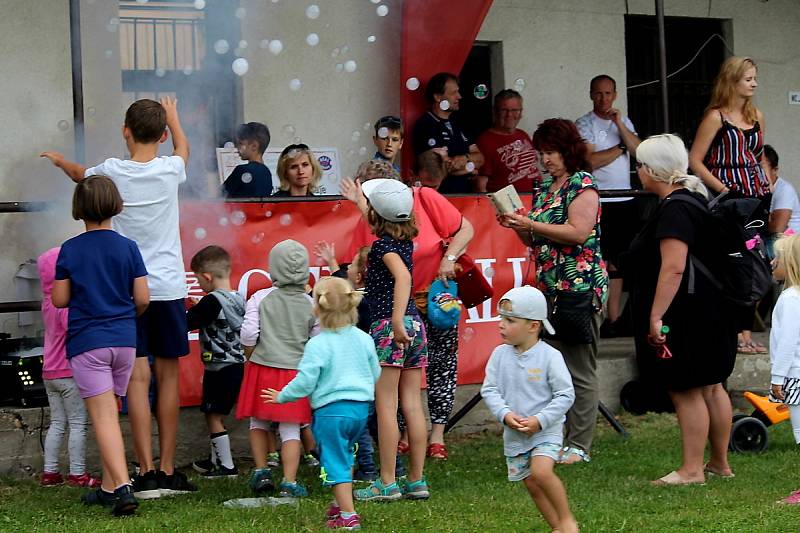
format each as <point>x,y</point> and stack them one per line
<point>391,199</point>
<point>528,303</point>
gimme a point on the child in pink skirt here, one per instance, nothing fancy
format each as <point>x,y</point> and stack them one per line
<point>277,324</point>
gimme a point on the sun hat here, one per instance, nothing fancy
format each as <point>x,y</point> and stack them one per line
<point>526,302</point>
<point>391,199</point>
<point>444,309</point>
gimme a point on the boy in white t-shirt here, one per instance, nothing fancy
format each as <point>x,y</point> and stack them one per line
<point>784,209</point>
<point>149,184</point>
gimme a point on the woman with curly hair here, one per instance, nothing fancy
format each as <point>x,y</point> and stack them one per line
<point>563,232</point>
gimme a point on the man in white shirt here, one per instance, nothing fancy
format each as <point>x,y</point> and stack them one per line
<point>611,136</point>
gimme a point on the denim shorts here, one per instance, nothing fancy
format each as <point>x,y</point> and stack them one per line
<point>519,466</point>
<point>415,356</point>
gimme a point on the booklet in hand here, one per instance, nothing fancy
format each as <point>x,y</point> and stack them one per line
<point>506,201</point>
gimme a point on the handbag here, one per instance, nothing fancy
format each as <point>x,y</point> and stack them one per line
<point>573,317</point>
<point>473,287</point>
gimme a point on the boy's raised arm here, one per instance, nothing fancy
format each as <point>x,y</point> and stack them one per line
<point>75,171</point>
<point>179,141</point>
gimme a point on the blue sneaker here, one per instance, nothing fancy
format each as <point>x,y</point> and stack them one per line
<point>291,490</point>
<point>261,480</point>
<point>416,490</point>
<point>377,492</point>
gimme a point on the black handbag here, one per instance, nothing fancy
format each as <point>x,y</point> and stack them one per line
<point>573,316</point>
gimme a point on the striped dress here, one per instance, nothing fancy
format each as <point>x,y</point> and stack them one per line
<point>734,159</point>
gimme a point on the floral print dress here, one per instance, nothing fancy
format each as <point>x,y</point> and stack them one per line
<point>562,266</point>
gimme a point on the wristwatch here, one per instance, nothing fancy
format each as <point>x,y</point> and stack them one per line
<point>451,257</point>
<point>622,147</point>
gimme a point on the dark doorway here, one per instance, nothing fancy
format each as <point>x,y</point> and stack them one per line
<point>689,90</point>
<point>477,91</point>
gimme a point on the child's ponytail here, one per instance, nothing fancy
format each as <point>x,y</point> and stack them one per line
<point>336,302</point>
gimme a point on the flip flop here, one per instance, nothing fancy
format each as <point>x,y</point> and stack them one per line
<point>745,348</point>
<point>403,448</point>
<point>673,478</point>
<point>712,472</point>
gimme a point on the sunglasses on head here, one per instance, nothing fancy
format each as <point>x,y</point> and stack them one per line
<point>389,121</point>
<point>294,148</point>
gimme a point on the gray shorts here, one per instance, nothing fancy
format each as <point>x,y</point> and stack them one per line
<point>519,466</point>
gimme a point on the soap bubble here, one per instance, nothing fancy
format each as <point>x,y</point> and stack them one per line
<point>63,125</point>
<point>238,218</point>
<point>288,130</point>
<point>489,272</point>
<point>187,70</point>
<point>339,67</point>
<point>345,49</point>
<point>240,13</point>
<point>91,110</point>
<point>199,4</point>
<point>351,153</point>
<point>431,142</point>
<point>223,221</point>
<point>228,145</point>
<point>362,150</point>
<point>240,66</point>
<point>470,166</point>
<point>367,126</point>
<point>444,105</point>
<point>263,44</point>
<point>383,132</point>
<point>257,238</point>
<point>160,72</point>
<point>356,136</point>
<point>312,11</point>
<point>519,84</point>
<point>286,219</point>
<point>376,1</point>
<point>297,140</point>
<point>295,84</point>
<point>468,334</point>
<point>382,11</point>
<point>371,39</point>
<point>412,84</point>
<point>200,233</point>
<point>113,25</point>
<point>247,177</point>
<point>275,46</point>
<point>480,91</point>
<point>312,39</point>
<point>350,66</point>
<point>221,46</point>
<point>242,44</point>
<point>268,214</point>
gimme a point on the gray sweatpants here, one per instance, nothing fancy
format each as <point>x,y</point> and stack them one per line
<point>66,407</point>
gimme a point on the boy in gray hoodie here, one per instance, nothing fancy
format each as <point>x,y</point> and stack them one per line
<point>529,389</point>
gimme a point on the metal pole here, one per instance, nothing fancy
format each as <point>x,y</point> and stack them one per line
<point>77,79</point>
<point>662,53</point>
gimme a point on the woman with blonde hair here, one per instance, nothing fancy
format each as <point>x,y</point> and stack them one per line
<point>298,171</point>
<point>726,153</point>
<point>683,330</point>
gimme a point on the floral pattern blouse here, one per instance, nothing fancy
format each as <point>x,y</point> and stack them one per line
<point>561,266</point>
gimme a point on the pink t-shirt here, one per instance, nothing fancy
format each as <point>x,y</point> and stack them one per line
<point>437,220</point>
<point>55,321</point>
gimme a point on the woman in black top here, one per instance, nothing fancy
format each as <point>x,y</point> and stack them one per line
<point>667,291</point>
<point>298,171</point>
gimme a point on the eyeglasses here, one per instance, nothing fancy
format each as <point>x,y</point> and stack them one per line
<point>510,111</point>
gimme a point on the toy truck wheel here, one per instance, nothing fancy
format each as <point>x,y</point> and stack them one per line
<point>748,435</point>
<point>738,416</point>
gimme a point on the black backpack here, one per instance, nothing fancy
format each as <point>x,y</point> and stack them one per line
<point>745,275</point>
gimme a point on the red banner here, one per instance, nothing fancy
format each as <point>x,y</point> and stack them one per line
<point>249,230</point>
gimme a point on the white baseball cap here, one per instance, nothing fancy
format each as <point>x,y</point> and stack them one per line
<point>391,199</point>
<point>527,302</point>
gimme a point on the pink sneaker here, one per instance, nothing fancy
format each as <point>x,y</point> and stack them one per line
<point>348,524</point>
<point>332,512</point>
<point>84,480</point>
<point>51,479</point>
<point>792,499</point>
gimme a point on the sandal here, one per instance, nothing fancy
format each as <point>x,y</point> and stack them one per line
<point>673,478</point>
<point>745,348</point>
<point>403,448</point>
<point>757,347</point>
<point>437,451</point>
<point>714,472</point>
<point>571,455</point>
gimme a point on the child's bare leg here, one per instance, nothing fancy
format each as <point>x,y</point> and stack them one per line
<point>542,502</point>
<point>546,479</point>
<point>214,423</point>
<point>258,447</point>
<point>386,409</point>
<point>139,414</point>
<point>167,411</point>
<point>343,494</point>
<point>307,438</point>
<point>272,445</point>
<point>105,420</point>
<point>411,404</point>
<point>290,459</point>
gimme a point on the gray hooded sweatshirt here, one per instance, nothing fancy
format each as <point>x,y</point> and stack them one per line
<point>285,315</point>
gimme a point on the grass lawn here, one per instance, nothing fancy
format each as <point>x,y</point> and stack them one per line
<point>470,493</point>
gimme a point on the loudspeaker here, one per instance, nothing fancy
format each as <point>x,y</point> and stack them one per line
<point>21,361</point>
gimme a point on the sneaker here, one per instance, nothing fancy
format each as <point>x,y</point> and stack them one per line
<point>273,460</point>
<point>261,480</point>
<point>177,483</point>
<point>310,460</point>
<point>51,479</point>
<point>84,480</point>
<point>125,502</point>
<point>291,490</point>
<point>792,499</point>
<point>222,472</point>
<point>378,492</point>
<point>416,490</point>
<point>348,524</point>
<point>99,497</point>
<point>369,477</point>
<point>332,512</point>
<point>145,486</point>
<point>203,466</point>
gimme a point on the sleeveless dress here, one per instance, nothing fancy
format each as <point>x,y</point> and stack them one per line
<point>735,159</point>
